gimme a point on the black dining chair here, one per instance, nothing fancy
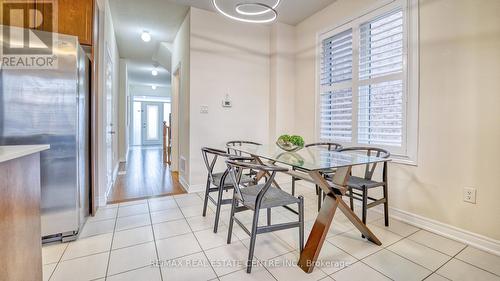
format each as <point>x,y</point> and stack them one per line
<point>259,197</point>
<point>219,180</point>
<point>358,186</point>
<point>235,143</point>
<point>331,146</point>
<point>231,149</point>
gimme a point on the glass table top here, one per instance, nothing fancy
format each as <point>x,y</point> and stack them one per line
<point>308,158</point>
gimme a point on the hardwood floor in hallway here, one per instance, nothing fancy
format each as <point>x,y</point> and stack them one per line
<point>144,176</point>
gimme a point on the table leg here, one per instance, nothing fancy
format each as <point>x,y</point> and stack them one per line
<point>358,223</point>
<point>309,255</point>
<point>263,173</point>
<point>316,238</point>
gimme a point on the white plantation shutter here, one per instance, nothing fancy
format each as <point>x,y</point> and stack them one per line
<point>380,114</point>
<point>362,84</point>
<point>380,102</point>
<point>336,115</point>
<point>337,58</point>
<point>336,87</point>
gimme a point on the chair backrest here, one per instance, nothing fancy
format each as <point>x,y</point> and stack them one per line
<point>232,151</point>
<point>328,145</point>
<point>369,151</point>
<point>237,165</point>
<point>210,156</point>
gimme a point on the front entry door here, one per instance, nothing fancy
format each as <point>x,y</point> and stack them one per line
<point>152,113</point>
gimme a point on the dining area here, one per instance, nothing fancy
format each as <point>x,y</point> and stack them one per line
<point>329,140</point>
<point>314,213</point>
<point>250,175</point>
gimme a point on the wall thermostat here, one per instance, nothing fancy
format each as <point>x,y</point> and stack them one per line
<point>227,102</point>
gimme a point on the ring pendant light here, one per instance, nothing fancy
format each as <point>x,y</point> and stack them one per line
<point>266,9</point>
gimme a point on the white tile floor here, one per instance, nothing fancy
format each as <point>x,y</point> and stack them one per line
<point>168,239</point>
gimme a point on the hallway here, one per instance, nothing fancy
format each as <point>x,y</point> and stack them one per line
<point>144,176</point>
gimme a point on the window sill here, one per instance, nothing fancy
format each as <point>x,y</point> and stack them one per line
<point>404,160</point>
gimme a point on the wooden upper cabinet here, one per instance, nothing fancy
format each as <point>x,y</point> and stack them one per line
<point>19,13</point>
<point>73,17</point>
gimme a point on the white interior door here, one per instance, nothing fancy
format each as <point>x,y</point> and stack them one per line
<point>110,130</point>
<point>152,117</point>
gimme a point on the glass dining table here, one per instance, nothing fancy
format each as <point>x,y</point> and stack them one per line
<point>315,162</point>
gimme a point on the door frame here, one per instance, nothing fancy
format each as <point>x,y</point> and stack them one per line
<point>109,126</point>
<point>176,83</point>
<point>94,111</point>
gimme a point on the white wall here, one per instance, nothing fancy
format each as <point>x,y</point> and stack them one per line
<point>459,126</point>
<point>282,84</point>
<point>181,103</point>
<point>232,58</point>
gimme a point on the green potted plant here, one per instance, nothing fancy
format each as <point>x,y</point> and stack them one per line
<point>290,143</point>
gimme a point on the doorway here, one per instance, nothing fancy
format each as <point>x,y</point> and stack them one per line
<point>151,125</point>
<point>145,174</point>
<point>148,117</point>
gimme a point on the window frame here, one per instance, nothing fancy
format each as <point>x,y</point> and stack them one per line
<point>407,153</point>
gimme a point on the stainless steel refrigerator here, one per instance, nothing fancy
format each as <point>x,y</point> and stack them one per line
<point>51,106</point>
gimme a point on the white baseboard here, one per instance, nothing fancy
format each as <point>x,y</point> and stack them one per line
<point>106,195</point>
<point>108,189</point>
<point>115,171</point>
<point>479,241</point>
<point>102,201</point>
<point>191,188</point>
<point>127,154</point>
<point>470,238</point>
<point>184,183</point>
<point>196,188</point>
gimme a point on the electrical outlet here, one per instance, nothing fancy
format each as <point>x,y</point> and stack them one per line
<point>470,195</point>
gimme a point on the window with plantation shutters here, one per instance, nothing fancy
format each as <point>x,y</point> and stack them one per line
<point>364,82</point>
<point>336,81</point>
<point>380,93</point>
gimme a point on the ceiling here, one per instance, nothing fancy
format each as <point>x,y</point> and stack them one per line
<point>162,19</point>
<point>139,73</point>
<point>289,11</point>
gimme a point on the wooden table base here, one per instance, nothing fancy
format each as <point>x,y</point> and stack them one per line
<point>333,200</point>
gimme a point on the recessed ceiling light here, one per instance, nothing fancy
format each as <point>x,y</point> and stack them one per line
<point>153,87</point>
<point>154,72</point>
<point>145,36</point>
